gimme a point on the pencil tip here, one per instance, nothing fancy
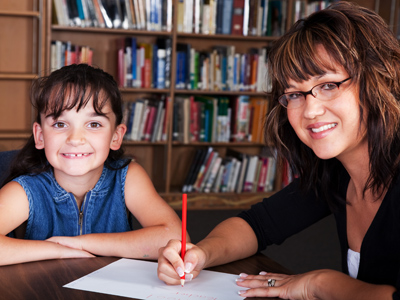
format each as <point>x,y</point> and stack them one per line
<point>182,282</point>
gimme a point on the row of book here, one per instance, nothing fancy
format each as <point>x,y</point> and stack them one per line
<point>152,15</point>
<point>236,17</point>
<point>236,172</point>
<point>66,53</point>
<point>144,65</point>
<point>218,119</point>
<point>146,119</point>
<point>304,8</point>
<point>221,69</point>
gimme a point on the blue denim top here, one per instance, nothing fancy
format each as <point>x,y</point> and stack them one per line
<point>54,212</point>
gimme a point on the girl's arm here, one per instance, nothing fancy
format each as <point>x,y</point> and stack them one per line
<point>14,210</point>
<point>159,221</point>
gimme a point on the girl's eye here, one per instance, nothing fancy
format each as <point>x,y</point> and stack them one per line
<point>94,125</point>
<point>59,125</point>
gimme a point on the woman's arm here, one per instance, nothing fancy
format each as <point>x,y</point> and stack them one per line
<point>14,210</point>
<point>319,284</point>
<point>159,221</point>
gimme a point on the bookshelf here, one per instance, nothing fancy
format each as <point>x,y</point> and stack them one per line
<point>21,59</point>
<point>167,161</point>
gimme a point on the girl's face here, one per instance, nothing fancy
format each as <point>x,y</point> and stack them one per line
<point>330,128</point>
<point>78,142</point>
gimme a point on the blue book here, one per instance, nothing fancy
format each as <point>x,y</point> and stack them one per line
<point>181,70</point>
<point>161,69</point>
<point>154,66</point>
<point>227,17</point>
<point>134,62</point>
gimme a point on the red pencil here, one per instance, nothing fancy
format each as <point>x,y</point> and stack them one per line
<point>183,247</point>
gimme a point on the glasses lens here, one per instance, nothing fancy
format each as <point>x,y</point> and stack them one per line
<point>292,100</point>
<point>326,91</point>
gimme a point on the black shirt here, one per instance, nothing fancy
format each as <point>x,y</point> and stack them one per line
<point>289,211</point>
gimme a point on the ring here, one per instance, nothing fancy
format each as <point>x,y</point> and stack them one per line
<point>271,282</point>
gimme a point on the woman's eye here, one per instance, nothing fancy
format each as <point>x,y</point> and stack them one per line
<point>294,96</point>
<point>328,86</point>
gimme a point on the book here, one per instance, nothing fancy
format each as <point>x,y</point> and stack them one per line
<point>203,168</point>
<point>213,174</point>
<point>198,163</point>
<point>193,165</point>
<point>250,173</point>
<point>237,17</point>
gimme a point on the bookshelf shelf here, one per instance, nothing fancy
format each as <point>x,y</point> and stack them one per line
<point>28,14</point>
<point>226,93</point>
<point>226,37</point>
<point>113,31</point>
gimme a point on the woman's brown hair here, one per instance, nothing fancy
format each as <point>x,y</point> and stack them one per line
<point>359,40</point>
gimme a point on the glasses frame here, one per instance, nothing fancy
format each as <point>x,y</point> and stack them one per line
<point>310,92</point>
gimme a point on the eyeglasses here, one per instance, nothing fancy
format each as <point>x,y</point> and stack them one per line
<point>324,91</point>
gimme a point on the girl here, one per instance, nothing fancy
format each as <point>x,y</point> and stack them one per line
<point>335,118</point>
<point>70,192</point>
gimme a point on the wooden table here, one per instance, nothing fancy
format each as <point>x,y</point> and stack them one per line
<point>44,280</point>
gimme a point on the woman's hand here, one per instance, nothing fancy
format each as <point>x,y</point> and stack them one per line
<point>171,266</point>
<point>299,287</point>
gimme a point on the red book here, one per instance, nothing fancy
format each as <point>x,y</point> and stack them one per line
<point>237,17</point>
<point>148,129</point>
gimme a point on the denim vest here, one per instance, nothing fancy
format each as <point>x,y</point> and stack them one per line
<point>54,212</point>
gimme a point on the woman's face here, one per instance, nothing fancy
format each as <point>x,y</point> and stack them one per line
<point>330,128</point>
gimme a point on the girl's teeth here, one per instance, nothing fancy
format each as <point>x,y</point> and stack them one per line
<point>322,128</point>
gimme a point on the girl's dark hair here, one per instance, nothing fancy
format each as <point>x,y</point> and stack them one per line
<point>360,41</point>
<point>70,87</point>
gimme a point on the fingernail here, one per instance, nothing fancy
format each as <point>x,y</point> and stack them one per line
<point>243,275</point>
<point>241,292</point>
<point>188,277</point>
<point>239,279</point>
<point>188,267</point>
<point>262,273</point>
<point>180,271</point>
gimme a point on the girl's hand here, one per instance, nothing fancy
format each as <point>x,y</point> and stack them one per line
<point>69,248</point>
<point>67,241</point>
<point>299,287</point>
<point>171,266</point>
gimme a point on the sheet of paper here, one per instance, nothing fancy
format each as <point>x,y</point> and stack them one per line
<point>138,279</point>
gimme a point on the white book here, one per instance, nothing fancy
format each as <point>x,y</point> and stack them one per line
<point>271,172</point>
<point>213,174</point>
<point>136,120</point>
<point>157,121</point>
<point>242,173</point>
<point>160,126</point>
<point>250,174</point>
<point>217,182</point>
<point>208,172</point>
<point>143,119</point>
<point>235,176</point>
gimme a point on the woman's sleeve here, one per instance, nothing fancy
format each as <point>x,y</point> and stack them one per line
<point>284,214</point>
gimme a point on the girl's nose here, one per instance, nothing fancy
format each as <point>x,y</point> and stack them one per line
<point>76,138</point>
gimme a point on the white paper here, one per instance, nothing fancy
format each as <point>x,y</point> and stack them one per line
<point>138,279</point>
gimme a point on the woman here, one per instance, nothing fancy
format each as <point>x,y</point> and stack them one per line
<point>335,118</point>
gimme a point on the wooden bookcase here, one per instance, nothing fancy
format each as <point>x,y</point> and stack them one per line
<point>167,163</point>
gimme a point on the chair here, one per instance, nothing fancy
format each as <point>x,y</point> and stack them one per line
<point>6,157</point>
